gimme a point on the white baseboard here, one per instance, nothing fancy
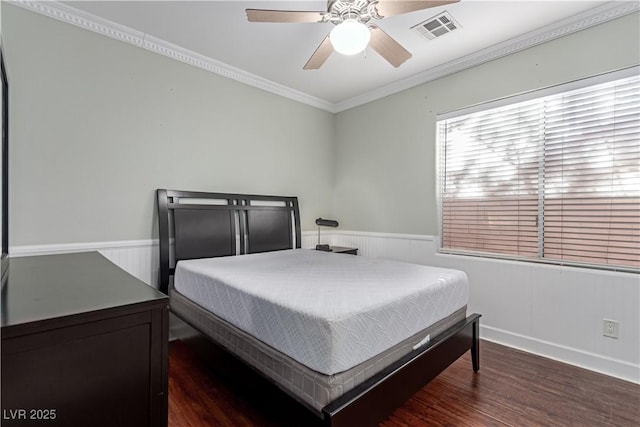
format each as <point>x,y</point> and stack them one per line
<point>140,258</point>
<point>594,362</point>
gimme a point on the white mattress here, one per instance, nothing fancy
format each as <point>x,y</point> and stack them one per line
<point>328,311</point>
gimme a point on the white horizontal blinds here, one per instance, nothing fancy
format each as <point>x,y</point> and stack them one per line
<point>489,193</point>
<point>592,174</point>
<point>554,178</point>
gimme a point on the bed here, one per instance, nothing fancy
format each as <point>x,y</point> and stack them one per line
<point>350,338</point>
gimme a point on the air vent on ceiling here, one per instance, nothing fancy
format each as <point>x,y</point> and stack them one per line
<point>437,26</point>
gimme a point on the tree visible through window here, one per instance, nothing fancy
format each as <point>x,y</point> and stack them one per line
<point>555,178</point>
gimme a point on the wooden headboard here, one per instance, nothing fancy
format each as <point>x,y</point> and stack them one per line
<point>205,225</point>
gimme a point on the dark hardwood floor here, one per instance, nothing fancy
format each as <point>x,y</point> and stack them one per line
<point>513,388</point>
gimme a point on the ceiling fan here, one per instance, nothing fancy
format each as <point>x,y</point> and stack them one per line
<point>354,28</point>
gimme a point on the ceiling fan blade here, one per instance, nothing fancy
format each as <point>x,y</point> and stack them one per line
<point>398,7</point>
<point>388,48</point>
<point>260,15</point>
<point>320,55</point>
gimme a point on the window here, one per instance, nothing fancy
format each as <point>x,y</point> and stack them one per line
<point>550,176</point>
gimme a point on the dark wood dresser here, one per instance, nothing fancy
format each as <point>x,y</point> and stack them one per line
<point>83,344</point>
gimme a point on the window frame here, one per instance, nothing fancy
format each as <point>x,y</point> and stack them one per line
<point>506,101</point>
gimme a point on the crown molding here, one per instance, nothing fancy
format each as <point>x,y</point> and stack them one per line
<point>73,16</point>
<point>88,21</point>
<point>589,18</point>
<point>70,15</point>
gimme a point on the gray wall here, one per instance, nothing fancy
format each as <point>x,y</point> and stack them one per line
<point>97,125</point>
<point>385,181</point>
<point>385,173</point>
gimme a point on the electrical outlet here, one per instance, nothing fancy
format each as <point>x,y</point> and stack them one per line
<point>610,328</point>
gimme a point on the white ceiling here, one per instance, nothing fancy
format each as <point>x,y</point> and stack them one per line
<point>277,51</point>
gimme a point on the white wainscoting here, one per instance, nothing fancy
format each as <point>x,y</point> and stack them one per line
<point>401,247</point>
<point>139,258</point>
<point>549,310</point>
<point>553,311</point>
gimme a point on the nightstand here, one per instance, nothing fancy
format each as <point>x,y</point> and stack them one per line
<point>344,250</point>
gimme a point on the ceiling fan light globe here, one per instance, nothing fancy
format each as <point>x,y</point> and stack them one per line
<point>350,37</point>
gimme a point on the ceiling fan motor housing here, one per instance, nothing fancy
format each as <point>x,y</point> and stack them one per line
<point>355,16</point>
<point>360,10</point>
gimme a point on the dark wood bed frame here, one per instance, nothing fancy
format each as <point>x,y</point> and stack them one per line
<point>249,224</point>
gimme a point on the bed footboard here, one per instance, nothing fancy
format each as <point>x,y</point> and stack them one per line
<point>375,399</point>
